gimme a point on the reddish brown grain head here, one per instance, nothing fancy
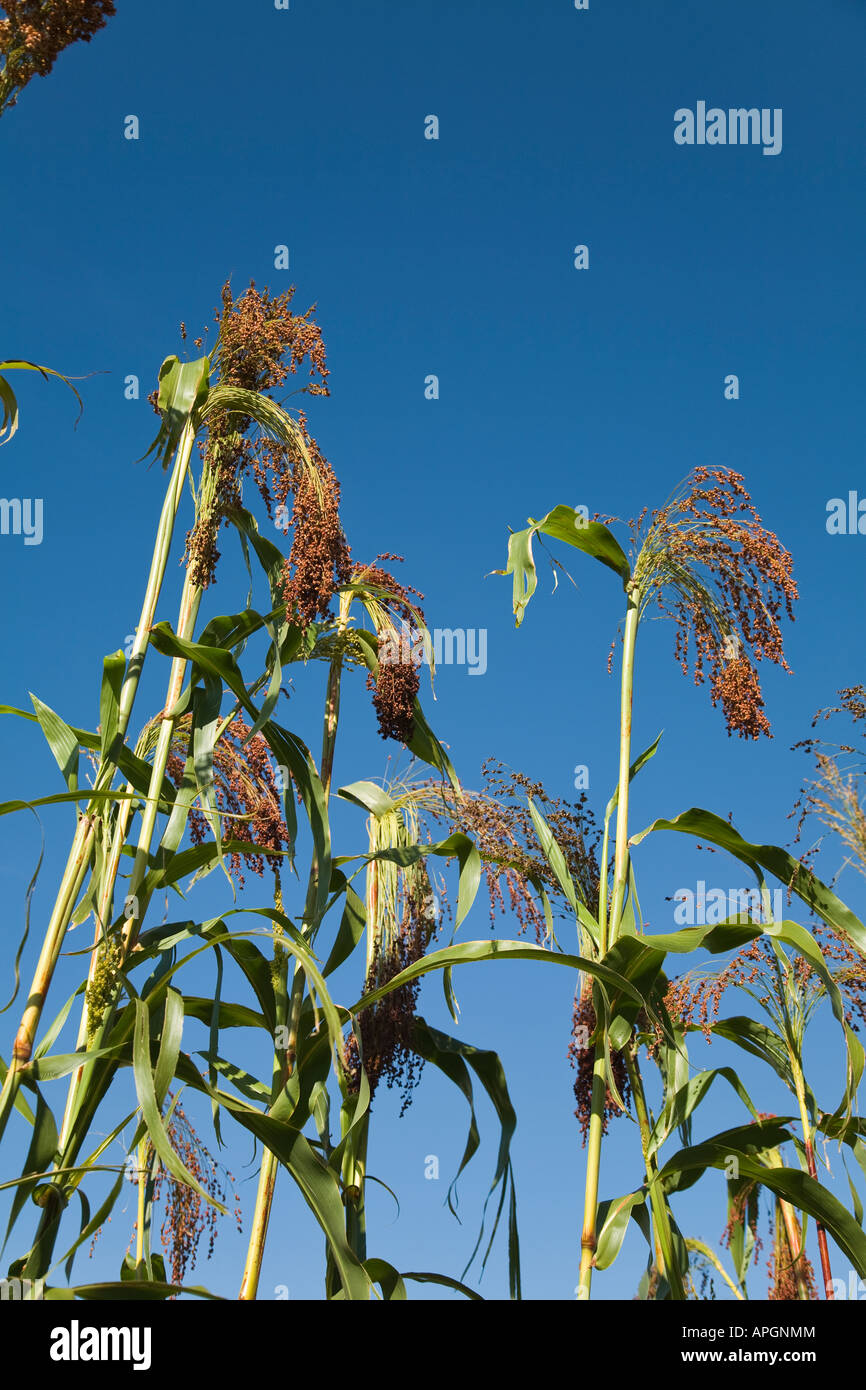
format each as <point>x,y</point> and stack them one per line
<point>35,32</point>
<point>709,563</point>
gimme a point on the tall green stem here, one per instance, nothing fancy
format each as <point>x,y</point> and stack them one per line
<point>621,858</point>
<point>666,1260</point>
<point>609,931</point>
<point>82,845</point>
<point>588,1238</point>
<point>284,1060</point>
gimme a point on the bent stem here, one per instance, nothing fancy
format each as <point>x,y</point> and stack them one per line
<point>609,931</point>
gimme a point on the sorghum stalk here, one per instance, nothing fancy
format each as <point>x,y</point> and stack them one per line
<point>808,1144</point>
<point>665,1256</point>
<point>593,1165</point>
<point>808,1133</point>
<point>794,1235</point>
<point>284,1060</point>
<point>79,856</point>
<point>189,606</point>
<point>620,868</point>
<point>609,930</point>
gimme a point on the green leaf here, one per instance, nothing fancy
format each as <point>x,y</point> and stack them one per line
<point>41,1153</point>
<point>62,1063</point>
<point>680,1105</point>
<point>613,1218</point>
<point>183,391</point>
<point>113,668</point>
<point>467,952</point>
<point>90,1224</point>
<point>555,857</point>
<point>816,895</point>
<point>60,798</point>
<point>318,1184</point>
<point>8,400</point>
<point>124,1290</point>
<point>61,740</point>
<point>453,1057</point>
<point>369,797</point>
<point>742,1148</point>
<point>639,762</point>
<point>446,1283</point>
<point>388,1279</point>
<point>150,1087</point>
<point>228,1016</point>
<point>287,748</point>
<point>760,1041</point>
<point>637,961</point>
<point>562,524</point>
<point>352,923</point>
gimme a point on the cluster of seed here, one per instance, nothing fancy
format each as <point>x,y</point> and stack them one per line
<point>581,1053</point>
<point>782,1270</point>
<point>37,31</point>
<point>386,1027</point>
<point>245,787</point>
<point>848,968</point>
<point>696,999</point>
<point>499,821</point>
<point>396,684</point>
<point>188,1216</point>
<point>710,564</point>
<point>319,560</point>
<point>737,687</point>
<point>260,344</point>
<point>835,795</point>
<point>102,986</point>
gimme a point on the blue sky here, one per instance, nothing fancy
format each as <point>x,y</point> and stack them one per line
<point>602,387</point>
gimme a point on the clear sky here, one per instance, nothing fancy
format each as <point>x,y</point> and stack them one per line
<point>603,386</point>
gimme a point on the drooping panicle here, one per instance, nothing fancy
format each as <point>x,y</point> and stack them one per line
<point>708,562</point>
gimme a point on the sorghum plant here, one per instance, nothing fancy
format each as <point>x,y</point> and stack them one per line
<point>706,561</point>
<point>213,780</point>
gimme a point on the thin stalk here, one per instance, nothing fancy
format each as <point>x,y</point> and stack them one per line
<point>794,1235</point>
<point>793,1232</point>
<point>791,1039</point>
<point>355,1172</point>
<point>620,868</point>
<point>588,1240</point>
<point>602,882</point>
<point>665,1256</point>
<point>259,1232</point>
<point>79,856</point>
<point>808,1144</point>
<point>143,1176</point>
<point>284,1060</point>
<point>76,1096</point>
<point>189,606</point>
<point>609,932</point>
